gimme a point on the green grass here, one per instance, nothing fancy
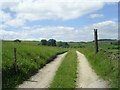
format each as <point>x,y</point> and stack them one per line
<point>105,66</point>
<point>66,74</point>
<point>105,63</point>
<point>0,64</point>
<point>30,58</point>
<point>0,54</point>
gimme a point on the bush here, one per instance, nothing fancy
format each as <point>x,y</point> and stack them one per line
<point>51,42</point>
<point>44,42</point>
<point>63,44</point>
<point>17,40</point>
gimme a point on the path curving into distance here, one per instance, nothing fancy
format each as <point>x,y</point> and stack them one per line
<point>86,77</point>
<point>45,75</point>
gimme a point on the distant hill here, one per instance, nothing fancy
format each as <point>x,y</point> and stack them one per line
<point>107,40</point>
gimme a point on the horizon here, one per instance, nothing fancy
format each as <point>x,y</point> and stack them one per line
<point>61,41</point>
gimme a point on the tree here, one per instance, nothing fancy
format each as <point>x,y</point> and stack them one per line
<point>17,40</point>
<point>60,44</point>
<point>51,42</point>
<point>44,42</point>
<point>63,44</point>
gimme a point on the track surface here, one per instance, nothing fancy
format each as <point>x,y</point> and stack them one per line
<point>87,78</point>
<point>44,76</point>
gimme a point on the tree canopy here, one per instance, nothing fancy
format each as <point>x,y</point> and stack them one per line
<point>50,42</point>
<point>63,44</point>
<point>17,40</point>
<point>44,42</point>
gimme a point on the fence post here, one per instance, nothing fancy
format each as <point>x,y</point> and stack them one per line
<point>96,40</point>
<point>15,61</point>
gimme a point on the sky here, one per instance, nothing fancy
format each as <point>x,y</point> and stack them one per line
<point>63,20</point>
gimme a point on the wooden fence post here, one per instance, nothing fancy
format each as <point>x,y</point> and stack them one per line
<point>15,61</point>
<point>96,40</point>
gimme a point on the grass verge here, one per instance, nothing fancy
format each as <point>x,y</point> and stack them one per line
<point>103,65</point>
<point>30,58</point>
<point>66,74</point>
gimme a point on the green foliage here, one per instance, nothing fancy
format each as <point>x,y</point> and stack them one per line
<point>51,42</point>
<point>107,39</point>
<point>30,58</point>
<point>63,44</point>
<point>44,42</point>
<point>76,44</point>
<point>17,40</point>
<point>66,74</point>
<point>0,54</point>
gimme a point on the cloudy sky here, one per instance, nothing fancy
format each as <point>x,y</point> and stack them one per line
<point>63,20</point>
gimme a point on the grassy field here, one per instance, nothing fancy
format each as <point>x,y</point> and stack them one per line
<point>0,64</point>
<point>66,74</point>
<point>30,58</point>
<point>105,62</point>
<point>0,55</point>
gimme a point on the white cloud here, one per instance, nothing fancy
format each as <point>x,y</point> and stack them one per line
<point>4,16</point>
<point>59,33</point>
<point>8,3</point>
<point>96,16</point>
<point>53,9</point>
<point>15,22</point>
<point>106,25</point>
<point>47,9</point>
<point>11,35</point>
<point>106,0</point>
<point>106,29</point>
<point>7,20</point>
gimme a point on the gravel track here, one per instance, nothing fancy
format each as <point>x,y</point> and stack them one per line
<point>45,75</point>
<point>87,78</point>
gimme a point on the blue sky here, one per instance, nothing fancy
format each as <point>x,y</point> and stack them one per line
<point>66,21</point>
<point>110,11</point>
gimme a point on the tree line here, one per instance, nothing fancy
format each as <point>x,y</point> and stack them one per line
<point>52,42</point>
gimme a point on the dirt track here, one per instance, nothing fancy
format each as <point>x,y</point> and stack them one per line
<point>87,78</point>
<point>44,76</point>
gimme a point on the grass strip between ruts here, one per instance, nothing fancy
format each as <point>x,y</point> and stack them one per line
<point>66,74</point>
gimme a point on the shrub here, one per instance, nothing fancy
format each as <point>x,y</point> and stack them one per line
<point>17,40</point>
<point>44,42</point>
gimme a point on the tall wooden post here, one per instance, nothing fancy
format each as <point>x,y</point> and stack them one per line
<point>15,61</point>
<point>96,40</point>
